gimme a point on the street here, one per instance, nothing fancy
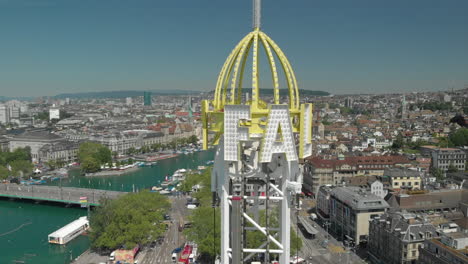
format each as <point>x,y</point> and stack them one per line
<point>161,254</point>
<point>315,251</point>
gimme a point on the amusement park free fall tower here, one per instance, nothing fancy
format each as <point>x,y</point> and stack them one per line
<point>259,146</point>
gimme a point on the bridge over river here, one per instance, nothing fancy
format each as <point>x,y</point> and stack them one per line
<point>67,195</point>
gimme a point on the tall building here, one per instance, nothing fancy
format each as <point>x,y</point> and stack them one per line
<point>349,102</point>
<point>351,209</point>
<point>54,113</point>
<point>4,115</point>
<point>147,98</point>
<point>15,112</point>
<point>444,158</point>
<point>404,110</point>
<point>128,101</point>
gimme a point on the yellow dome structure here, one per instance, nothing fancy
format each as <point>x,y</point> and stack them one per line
<point>230,84</point>
<point>233,72</point>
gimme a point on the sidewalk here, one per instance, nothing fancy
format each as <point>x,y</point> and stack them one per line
<point>89,257</point>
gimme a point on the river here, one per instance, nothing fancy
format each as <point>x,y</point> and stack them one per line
<point>24,226</point>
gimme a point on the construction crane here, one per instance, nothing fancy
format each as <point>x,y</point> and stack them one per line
<point>259,147</point>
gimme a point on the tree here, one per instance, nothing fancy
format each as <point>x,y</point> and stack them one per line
<point>460,137</point>
<point>131,151</point>
<point>4,173</point>
<point>256,238</point>
<point>398,142</point>
<point>21,167</point>
<point>131,219</point>
<point>203,230</point>
<point>193,139</point>
<point>52,164</point>
<point>92,155</point>
<point>452,168</point>
<point>90,164</point>
<point>438,173</point>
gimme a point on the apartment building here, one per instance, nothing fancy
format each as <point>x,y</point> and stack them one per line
<point>395,238</point>
<point>351,208</point>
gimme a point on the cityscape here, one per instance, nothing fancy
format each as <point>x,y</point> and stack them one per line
<point>262,167</point>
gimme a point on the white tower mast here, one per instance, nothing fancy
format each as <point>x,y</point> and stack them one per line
<point>256,167</point>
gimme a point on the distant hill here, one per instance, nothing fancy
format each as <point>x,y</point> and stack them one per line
<point>284,92</point>
<point>122,94</point>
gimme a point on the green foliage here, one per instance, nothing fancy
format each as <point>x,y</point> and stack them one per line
<point>19,160</point>
<point>325,122</point>
<point>17,154</point>
<point>452,168</point>
<point>92,155</point>
<point>460,137</point>
<point>42,116</point>
<point>4,173</point>
<point>445,142</point>
<point>135,218</point>
<point>202,230</point>
<point>256,238</point>
<point>398,143</point>
<point>435,106</point>
<point>202,218</point>
<point>90,164</point>
<point>21,167</point>
<point>438,173</point>
<point>193,139</point>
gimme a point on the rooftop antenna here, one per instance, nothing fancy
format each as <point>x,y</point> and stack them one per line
<point>257,14</point>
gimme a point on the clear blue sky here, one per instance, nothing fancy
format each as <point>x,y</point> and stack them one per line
<point>348,46</point>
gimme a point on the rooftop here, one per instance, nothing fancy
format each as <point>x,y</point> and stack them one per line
<point>70,227</point>
<point>400,172</point>
<point>358,198</point>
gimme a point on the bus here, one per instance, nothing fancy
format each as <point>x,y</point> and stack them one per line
<point>185,255</point>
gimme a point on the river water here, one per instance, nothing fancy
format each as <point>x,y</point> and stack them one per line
<point>24,226</point>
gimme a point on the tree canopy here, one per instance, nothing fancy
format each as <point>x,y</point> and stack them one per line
<point>135,218</point>
<point>19,160</point>
<point>459,137</point>
<point>92,155</point>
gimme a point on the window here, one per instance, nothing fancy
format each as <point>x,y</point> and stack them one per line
<point>416,183</point>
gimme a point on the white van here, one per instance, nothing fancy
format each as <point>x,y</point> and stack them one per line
<point>174,257</point>
<point>112,256</point>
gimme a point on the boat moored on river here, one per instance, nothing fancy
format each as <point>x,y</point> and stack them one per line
<point>69,232</point>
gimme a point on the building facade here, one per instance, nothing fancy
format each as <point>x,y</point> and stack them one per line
<point>449,249</point>
<point>444,158</point>
<point>399,178</point>
<point>319,171</point>
<point>351,208</point>
<point>395,238</point>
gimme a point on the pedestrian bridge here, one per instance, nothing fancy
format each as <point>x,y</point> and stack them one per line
<point>67,195</point>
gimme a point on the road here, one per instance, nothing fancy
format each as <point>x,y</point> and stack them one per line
<point>315,251</point>
<point>56,193</point>
<point>161,254</point>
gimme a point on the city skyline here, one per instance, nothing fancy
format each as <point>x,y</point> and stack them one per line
<point>52,47</point>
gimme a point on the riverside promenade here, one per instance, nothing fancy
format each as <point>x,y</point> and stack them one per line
<point>67,195</point>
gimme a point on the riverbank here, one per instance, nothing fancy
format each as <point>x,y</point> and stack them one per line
<point>112,172</point>
<point>47,218</point>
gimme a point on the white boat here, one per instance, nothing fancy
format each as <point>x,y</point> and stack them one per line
<point>69,232</point>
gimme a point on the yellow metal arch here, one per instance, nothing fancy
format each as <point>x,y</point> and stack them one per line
<point>230,81</point>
